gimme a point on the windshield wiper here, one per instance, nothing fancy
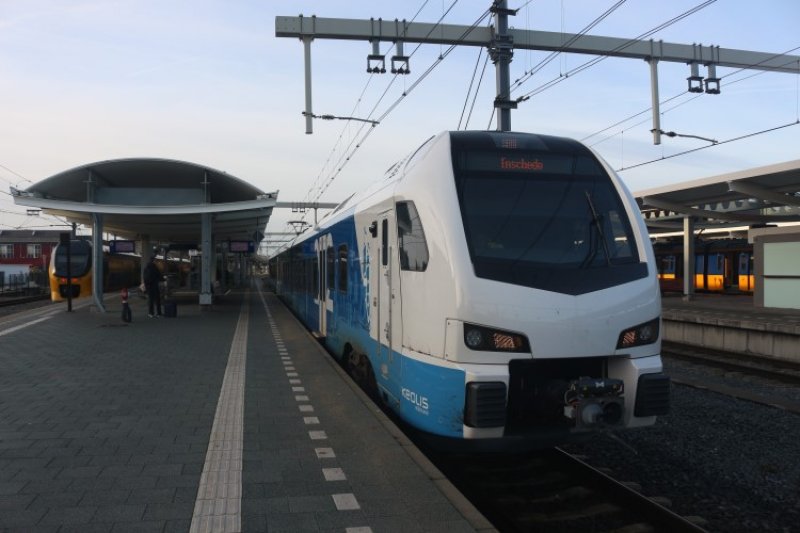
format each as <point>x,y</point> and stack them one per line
<point>596,224</point>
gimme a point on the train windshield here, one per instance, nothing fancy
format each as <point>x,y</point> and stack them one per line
<point>80,259</point>
<point>545,220</point>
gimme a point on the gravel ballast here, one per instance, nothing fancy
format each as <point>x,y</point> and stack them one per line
<point>735,463</point>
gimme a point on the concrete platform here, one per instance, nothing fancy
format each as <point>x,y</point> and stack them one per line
<point>732,323</point>
<point>225,419</point>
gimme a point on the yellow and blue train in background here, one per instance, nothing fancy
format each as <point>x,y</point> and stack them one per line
<point>119,270</point>
<point>720,265</point>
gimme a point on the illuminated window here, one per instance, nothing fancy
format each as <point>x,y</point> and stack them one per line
<point>6,251</point>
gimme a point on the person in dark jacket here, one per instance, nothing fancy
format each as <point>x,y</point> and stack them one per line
<point>152,278</point>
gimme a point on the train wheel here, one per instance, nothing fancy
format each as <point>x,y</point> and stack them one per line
<point>360,369</point>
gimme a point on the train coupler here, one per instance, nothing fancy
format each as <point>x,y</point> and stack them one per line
<point>592,402</point>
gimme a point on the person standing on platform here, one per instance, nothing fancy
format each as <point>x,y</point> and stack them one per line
<point>152,278</point>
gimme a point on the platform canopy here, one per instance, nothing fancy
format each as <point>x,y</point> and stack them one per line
<point>756,196</point>
<point>159,198</point>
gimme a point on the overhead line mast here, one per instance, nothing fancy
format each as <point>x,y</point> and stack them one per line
<point>501,42</point>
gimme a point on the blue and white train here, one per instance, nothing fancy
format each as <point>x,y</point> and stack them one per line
<point>494,286</point>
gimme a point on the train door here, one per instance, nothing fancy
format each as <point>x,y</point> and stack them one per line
<point>323,247</point>
<point>701,272</point>
<point>745,271</point>
<point>728,275</point>
<point>389,316</point>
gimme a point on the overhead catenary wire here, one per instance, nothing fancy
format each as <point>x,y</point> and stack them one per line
<point>552,55</point>
<point>355,107</point>
<point>726,141</point>
<point>738,138</point>
<point>469,89</point>
<point>342,160</point>
<point>475,96</point>
<point>595,61</point>
<point>693,96</point>
<point>348,154</point>
<point>17,174</point>
<point>408,91</point>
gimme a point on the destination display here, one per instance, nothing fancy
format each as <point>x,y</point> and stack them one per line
<point>244,247</point>
<point>528,163</point>
<point>122,247</point>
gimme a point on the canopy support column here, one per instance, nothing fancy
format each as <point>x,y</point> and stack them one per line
<point>147,253</point>
<point>97,261</point>
<point>688,258</point>
<point>206,258</point>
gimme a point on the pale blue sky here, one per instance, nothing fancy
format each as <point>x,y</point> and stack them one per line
<point>208,82</point>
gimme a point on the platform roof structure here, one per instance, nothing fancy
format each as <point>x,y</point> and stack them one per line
<point>160,198</point>
<point>756,196</point>
<point>155,201</point>
<point>753,197</point>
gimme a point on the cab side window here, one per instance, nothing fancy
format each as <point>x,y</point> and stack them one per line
<point>411,238</point>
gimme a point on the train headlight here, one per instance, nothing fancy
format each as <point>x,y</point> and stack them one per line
<point>494,340</point>
<point>473,338</point>
<point>646,333</point>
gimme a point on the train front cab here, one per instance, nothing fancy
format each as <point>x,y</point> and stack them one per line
<point>80,271</point>
<point>508,389</point>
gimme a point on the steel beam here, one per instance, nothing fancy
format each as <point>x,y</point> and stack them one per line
<point>762,193</point>
<point>421,32</point>
<point>716,215</point>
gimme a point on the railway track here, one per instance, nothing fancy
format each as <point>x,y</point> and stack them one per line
<point>554,491</point>
<point>774,369</point>
<point>763,381</point>
<point>10,302</point>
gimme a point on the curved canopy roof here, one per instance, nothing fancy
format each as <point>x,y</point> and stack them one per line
<point>161,199</point>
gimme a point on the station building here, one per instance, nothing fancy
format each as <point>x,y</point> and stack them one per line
<point>24,253</point>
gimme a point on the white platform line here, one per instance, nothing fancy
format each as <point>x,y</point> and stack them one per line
<point>318,435</point>
<point>218,506</point>
<point>325,453</point>
<point>25,325</point>
<point>346,502</point>
<point>334,474</point>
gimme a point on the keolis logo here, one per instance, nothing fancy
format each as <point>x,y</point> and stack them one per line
<point>420,402</point>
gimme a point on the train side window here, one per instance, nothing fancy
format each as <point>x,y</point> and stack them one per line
<point>342,268</point>
<point>667,265</point>
<point>384,242</point>
<point>315,277</point>
<point>411,238</point>
<point>330,259</point>
<point>744,263</point>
